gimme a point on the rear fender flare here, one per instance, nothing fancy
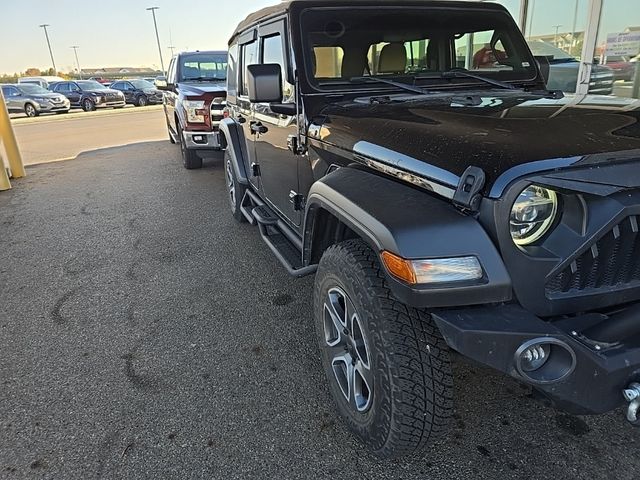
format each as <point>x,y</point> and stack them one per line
<point>233,142</point>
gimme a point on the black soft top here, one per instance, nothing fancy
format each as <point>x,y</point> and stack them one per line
<point>285,5</point>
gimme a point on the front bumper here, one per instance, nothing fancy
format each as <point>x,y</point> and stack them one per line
<point>194,140</point>
<point>119,103</point>
<point>46,107</point>
<point>493,336</point>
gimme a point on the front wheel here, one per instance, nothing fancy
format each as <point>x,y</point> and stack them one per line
<point>30,110</point>
<point>88,105</point>
<point>235,191</point>
<point>142,101</point>
<point>387,365</point>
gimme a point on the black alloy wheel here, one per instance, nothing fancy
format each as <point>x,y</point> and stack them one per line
<point>235,190</point>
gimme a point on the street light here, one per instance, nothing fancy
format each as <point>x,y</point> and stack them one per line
<point>555,38</point>
<point>75,50</point>
<point>46,34</point>
<point>172,48</point>
<point>153,12</point>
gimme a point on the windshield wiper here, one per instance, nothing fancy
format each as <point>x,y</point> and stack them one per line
<point>404,86</point>
<point>461,72</point>
<point>205,79</point>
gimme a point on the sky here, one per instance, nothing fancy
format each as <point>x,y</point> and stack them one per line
<point>113,33</point>
<point>120,33</point>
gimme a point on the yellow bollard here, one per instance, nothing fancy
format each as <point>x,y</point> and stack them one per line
<point>5,184</point>
<point>9,140</point>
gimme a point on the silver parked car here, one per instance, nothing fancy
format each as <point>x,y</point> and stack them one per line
<point>33,100</point>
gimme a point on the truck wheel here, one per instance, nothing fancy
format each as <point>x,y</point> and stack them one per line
<point>88,105</point>
<point>30,110</point>
<point>387,365</point>
<point>190,158</point>
<point>235,191</point>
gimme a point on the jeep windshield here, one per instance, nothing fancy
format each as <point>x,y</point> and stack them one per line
<point>202,67</point>
<point>414,45</point>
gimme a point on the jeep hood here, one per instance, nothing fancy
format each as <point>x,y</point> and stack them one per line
<point>506,134</point>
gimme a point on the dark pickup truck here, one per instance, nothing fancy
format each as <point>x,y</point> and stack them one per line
<point>442,204</point>
<point>194,102</point>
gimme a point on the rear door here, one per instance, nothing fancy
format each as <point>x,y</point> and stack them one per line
<point>12,98</point>
<point>243,110</point>
<point>278,164</point>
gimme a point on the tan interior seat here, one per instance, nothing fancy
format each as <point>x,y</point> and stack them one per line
<point>393,58</point>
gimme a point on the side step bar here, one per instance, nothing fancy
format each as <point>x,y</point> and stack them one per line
<point>274,233</point>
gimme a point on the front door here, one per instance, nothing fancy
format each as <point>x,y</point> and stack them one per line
<point>278,164</point>
<point>74,94</point>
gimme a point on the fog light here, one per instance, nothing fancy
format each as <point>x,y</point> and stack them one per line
<point>534,357</point>
<point>544,360</point>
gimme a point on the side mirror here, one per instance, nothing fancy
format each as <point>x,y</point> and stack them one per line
<point>161,83</point>
<point>264,83</point>
<point>544,66</point>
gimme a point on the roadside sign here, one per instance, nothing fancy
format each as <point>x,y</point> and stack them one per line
<point>627,44</point>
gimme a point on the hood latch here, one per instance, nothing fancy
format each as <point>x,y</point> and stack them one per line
<point>467,195</point>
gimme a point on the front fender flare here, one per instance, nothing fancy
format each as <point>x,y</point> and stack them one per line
<point>413,224</point>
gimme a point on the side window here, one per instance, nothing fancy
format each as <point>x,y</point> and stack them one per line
<point>249,57</point>
<point>117,86</point>
<point>232,73</point>
<point>62,87</point>
<point>5,92</point>
<point>73,87</point>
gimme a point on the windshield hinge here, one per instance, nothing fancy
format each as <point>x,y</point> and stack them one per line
<point>467,195</point>
<point>294,144</point>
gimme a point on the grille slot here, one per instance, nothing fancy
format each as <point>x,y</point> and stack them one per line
<point>613,261</point>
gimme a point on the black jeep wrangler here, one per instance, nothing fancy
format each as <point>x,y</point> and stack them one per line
<point>410,155</point>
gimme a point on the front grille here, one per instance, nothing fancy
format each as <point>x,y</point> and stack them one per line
<point>612,262</point>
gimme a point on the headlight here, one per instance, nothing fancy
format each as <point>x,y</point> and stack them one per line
<point>532,214</point>
<point>97,98</point>
<point>195,110</point>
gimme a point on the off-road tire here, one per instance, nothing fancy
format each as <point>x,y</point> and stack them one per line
<point>88,105</point>
<point>30,110</point>
<point>231,181</point>
<point>190,158</point>
<point>412,398</point>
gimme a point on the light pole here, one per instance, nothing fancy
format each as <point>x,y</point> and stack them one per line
<point>172,48</point>
<point>46,34</point>
<point>75,51</point>
<point>555,37</point>
<point>153,12</point>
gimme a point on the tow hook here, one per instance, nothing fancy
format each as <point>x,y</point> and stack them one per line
<point>632,395</point>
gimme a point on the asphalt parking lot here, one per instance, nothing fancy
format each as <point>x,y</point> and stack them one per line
<point>144,334</point>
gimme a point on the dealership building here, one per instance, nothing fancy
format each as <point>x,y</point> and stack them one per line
<point>591,33</point>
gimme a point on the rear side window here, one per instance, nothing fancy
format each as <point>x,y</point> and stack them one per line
<point>249,57</point>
